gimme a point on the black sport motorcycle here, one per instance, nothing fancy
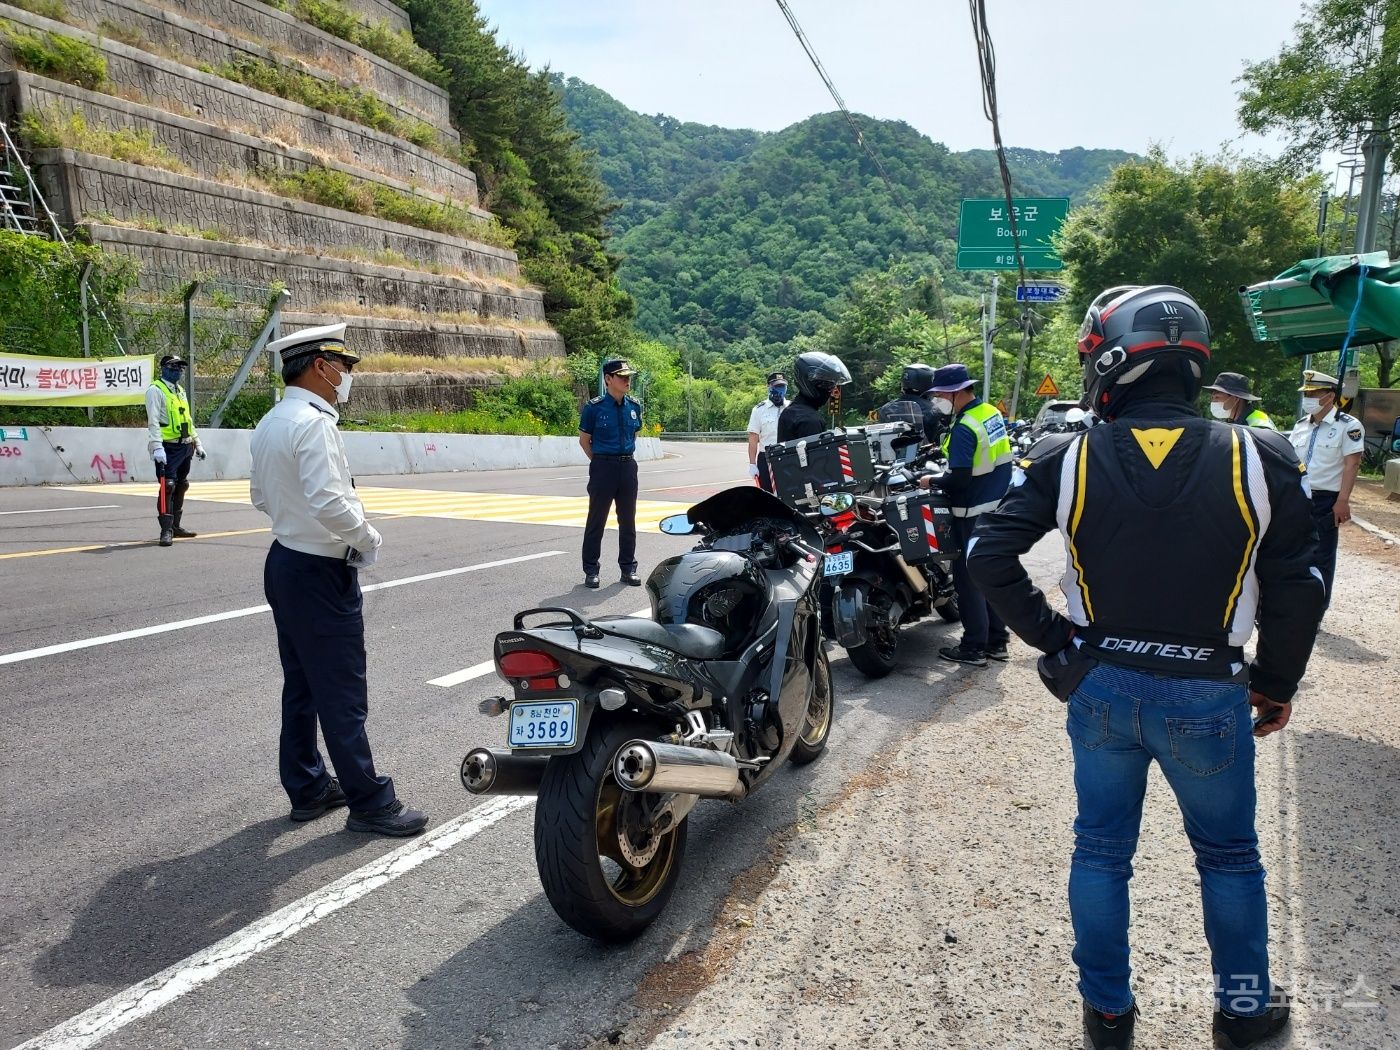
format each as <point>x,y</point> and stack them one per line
<point>620,725</point>
<point>872,589</point>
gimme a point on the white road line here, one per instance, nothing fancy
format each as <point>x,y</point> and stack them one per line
<point>60,510</point>
<point>486,667</point>
<point>140,1000</point>
<point>252,610</point>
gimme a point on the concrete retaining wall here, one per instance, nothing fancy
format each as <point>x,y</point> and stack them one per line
<point>430,339</point>
<point>374,11</point>
<point>81,186</point>
<point>314,280</point>
<point>211,32</point>
<point>181,89</point>
<point>69,455</point>
<point>212,151</point>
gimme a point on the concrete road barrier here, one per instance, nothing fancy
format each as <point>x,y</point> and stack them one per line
<point>69,455</point>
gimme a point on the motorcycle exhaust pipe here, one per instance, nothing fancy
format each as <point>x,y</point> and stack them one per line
<point>649,765</point>
<point>488,772</point>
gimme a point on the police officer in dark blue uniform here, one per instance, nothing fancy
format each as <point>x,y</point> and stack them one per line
<point>608,429</point>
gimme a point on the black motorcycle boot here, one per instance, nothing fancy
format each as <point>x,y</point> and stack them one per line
<point>395,820</point>
<point>1236,1033</point>
<point>323,803</point>
<point>167,537</point>
<point>1109,1031</point>
<point>181,533</point>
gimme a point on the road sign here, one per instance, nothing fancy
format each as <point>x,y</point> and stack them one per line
<point>1040,292</point>
<point>984,233</point>
<point>1047,387</point>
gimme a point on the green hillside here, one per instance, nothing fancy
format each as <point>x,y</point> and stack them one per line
<point>739,241</point>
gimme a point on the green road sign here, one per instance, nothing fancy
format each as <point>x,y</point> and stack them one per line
<point>984,233</point>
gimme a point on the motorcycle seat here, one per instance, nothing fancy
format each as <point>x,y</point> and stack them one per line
<point>692,640</point>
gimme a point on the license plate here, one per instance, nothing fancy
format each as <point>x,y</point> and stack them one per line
<point>838,564</point>
<point>552,724</point>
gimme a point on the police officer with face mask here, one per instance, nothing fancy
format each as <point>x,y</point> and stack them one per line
<point>301,479</point>
<point>172,443</point>
<point>1233,401</point>
<point>763,428</point>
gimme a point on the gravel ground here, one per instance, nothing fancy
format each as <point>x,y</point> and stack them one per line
<point>926,905</point>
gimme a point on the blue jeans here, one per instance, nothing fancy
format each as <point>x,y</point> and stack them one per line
<point>1200,733</point>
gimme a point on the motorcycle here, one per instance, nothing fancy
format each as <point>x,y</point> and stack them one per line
<point>620,725</point>
<point>870,591</point>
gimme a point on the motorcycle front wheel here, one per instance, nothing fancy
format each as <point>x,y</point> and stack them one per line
<point>816,727</point>
<point>606,873</point>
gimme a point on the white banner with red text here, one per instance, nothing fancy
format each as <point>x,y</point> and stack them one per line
<point>74,382</point>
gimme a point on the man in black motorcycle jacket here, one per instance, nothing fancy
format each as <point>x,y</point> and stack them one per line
<point>915,405</point>
<point>1180,534</point>
<point>817,375</point>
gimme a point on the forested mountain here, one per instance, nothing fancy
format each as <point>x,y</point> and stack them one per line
<point>739,241</point>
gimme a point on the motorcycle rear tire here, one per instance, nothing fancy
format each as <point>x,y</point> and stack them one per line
<point>574,800</point>
<point>949,610</point>
<point>874,659</point>
<point>821,712</point>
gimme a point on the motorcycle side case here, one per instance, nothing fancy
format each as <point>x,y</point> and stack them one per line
<point>923,522</point>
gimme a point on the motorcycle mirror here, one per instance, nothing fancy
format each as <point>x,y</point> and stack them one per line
<point>836,503</point>
<point>677,525</point>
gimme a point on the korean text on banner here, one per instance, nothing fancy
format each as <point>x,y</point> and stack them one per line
<point>74,382</point>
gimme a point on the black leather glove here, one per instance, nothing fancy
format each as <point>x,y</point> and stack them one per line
<point>1063,671</point>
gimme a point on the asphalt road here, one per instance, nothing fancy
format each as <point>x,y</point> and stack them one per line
<point>144,821</point>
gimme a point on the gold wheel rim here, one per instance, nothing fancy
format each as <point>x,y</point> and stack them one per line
<point>634,885</point>
<point>818,711</point>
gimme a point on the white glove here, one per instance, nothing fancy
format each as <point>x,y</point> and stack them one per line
<point>158,456</point>
<point>753,470</point>
<point>199,450</point>
<point>364,559</point>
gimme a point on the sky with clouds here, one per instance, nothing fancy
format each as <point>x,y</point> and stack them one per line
<point>1121,74</point>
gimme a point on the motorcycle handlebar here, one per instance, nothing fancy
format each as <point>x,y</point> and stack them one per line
<point>794,544</point>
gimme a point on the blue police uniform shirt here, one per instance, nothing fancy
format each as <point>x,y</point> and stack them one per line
<point>613,426</point>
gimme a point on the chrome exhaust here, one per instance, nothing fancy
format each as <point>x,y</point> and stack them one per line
<point>488,772</point>
<point>648,765</point>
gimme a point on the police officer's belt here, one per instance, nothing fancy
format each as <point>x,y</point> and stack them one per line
<point>604,455</point>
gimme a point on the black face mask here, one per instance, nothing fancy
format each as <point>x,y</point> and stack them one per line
<point>776,394</point>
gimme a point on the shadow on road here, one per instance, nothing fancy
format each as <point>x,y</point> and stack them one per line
<point>153,915</point>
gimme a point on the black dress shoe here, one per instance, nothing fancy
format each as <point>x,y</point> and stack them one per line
<point>1236,1033</point>
<point>184,534</point>
<point>1107,1031</point>
<point>631,579</point>
<point>323,803</point>
<point>591,581</point>
<point>395,819</point>
<point>167,537</point>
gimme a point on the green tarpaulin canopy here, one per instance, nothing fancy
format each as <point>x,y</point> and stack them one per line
<point>1310,306</point>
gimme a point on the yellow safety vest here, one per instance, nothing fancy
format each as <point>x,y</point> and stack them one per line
<point>179,424</point>
<point>993,441</point>
<point>1259,419</point>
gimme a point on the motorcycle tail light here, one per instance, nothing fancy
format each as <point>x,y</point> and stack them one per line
<point>844,520</point>
<point>530,669</point>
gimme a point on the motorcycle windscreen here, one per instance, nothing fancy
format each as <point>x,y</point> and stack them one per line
<point>736,506</point>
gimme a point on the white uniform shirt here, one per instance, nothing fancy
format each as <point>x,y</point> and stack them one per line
<point>301,479</point>
<point>763,421</point>
<point>1323,447</point>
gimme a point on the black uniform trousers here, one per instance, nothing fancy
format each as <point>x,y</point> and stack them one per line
<point>317,606</point>
<point>1326,525</point>
<point>982,627</point>
<point>170,499</point>
<point>611,480</point>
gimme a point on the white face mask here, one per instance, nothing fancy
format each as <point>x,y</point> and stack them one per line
<point>943,406</point>
<point>1218,410</point>
<point>1312,405</point>
<point>342,387</point>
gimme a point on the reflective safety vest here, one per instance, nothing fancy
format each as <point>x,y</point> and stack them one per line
<point>992,454</point>
<point>179,424</point>
<point>993,440</point>
<point>1259,419</point>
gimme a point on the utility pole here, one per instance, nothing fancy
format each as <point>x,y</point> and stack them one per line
<point>689,378</point>
<point>989,326</point>
<point>1374,152</point>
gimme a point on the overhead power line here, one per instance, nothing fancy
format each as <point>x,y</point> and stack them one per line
<point>856,130</point>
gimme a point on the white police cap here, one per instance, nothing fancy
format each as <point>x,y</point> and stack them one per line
<point>329,339</point>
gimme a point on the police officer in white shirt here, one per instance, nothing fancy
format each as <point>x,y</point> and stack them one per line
<point>763,428</point>
<point>1329,442</point>
<point>301,479</point>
